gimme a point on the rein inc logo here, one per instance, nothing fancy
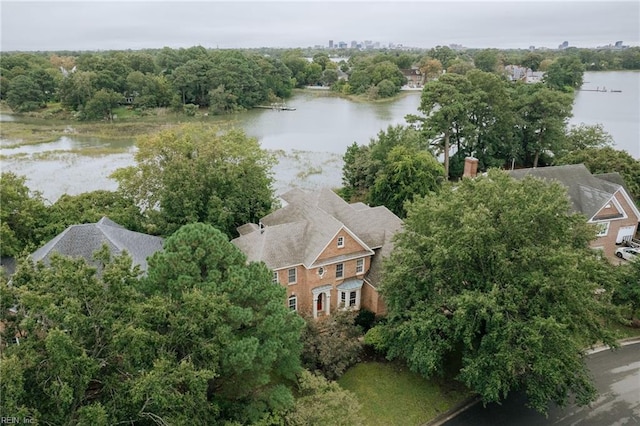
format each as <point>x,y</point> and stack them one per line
<point>16,420</point>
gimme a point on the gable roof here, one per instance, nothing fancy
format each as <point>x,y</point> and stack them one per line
<point>84,240</point>
<point>298,232</point>
<point>587,192</point>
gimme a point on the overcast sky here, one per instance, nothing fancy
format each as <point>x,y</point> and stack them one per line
<point>98,25</point>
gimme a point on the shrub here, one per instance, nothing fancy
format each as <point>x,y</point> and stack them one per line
<point>331,345</point>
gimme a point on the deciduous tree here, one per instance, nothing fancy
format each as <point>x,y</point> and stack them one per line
<point>102,104</point>
<point>406,174</point>
<point>496,276</point>
<point>22,214</point>
<point>24,94</point>
<point>196,173</point>
<point>566,71</point>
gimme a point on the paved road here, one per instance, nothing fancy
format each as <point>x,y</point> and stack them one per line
<point>617,378</point>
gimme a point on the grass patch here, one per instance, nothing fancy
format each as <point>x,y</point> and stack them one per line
<point>623,331</point>
<point>390,394</point>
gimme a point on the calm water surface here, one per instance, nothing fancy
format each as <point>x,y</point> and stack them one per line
<point>314,136</point>
<point>618,112</point>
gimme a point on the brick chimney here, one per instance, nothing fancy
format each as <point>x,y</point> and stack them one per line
<point>470,167</point>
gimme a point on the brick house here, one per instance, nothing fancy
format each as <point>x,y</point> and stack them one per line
<point>325,252</point>
<point>603,199</point>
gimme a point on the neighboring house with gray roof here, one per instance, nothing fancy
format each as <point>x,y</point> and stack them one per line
<point>603,199</point>
<point>84,240</point>
<point>325,252</point>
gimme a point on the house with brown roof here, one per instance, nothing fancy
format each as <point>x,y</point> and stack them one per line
<point>603,199</point>
<point>325,252</point>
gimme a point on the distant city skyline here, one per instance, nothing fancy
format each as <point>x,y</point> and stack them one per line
<point>114,25</point>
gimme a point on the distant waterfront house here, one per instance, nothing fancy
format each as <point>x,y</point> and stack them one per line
<point>518,73</point>
<point>325,252</point>
<point>414,76</point>
<point>603,199</point>
<point>84,240</point>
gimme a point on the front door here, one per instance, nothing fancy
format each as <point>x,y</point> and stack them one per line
<point>320,303</point>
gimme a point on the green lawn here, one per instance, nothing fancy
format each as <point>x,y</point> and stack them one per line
<point>390,394</point>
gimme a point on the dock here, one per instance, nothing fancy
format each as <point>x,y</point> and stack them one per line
<point>276,107</point>
<point>597,89</point>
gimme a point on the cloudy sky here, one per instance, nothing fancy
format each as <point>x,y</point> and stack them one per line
<point>99,25</point>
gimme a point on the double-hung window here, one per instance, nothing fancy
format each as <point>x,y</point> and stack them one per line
<point>359,266</point>
<point>340,270</point>
<point>293,278</point>
<point>293,303</point>
<point>352,298</point>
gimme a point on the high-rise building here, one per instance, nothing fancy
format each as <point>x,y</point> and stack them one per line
<point>330,44</point>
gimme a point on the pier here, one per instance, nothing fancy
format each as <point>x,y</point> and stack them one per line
<point>276,107</point>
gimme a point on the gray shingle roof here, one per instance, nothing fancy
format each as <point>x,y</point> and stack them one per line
<point>587,192</point>
<point>84,240</point>
<point>298,232</point>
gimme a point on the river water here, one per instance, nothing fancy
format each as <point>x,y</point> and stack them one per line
<point>309,141</point>
<point>618,112</point>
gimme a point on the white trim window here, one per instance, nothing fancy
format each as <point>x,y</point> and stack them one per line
<point>602,229</point>
<point>275,277</point>
<point>340,270</point>
<point>359,266</point>
<point>350,293</point>
<point>340,242</point>
<point>353,298</point>
<point>293,303</point>
<point>293,276</point>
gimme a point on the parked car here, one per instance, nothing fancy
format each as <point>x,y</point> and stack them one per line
<point>627,253</point>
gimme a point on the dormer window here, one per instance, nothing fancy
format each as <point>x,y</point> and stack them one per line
<point>340,242</point>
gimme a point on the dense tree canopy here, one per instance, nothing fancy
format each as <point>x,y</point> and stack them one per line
<point>496,277</point>
<point>90,207</point>
<point>25,94</point>
<point>204,336</point>
<point>542,119</point>
<point>566,71</point>
<point>196,173</point>
<point>363,164</point>
<point>163,77</point>
<point>406,173</point>
<point>22,215</point>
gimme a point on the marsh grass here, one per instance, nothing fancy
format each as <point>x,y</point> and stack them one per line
<point>308,171</point>
<point>51,123</point>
